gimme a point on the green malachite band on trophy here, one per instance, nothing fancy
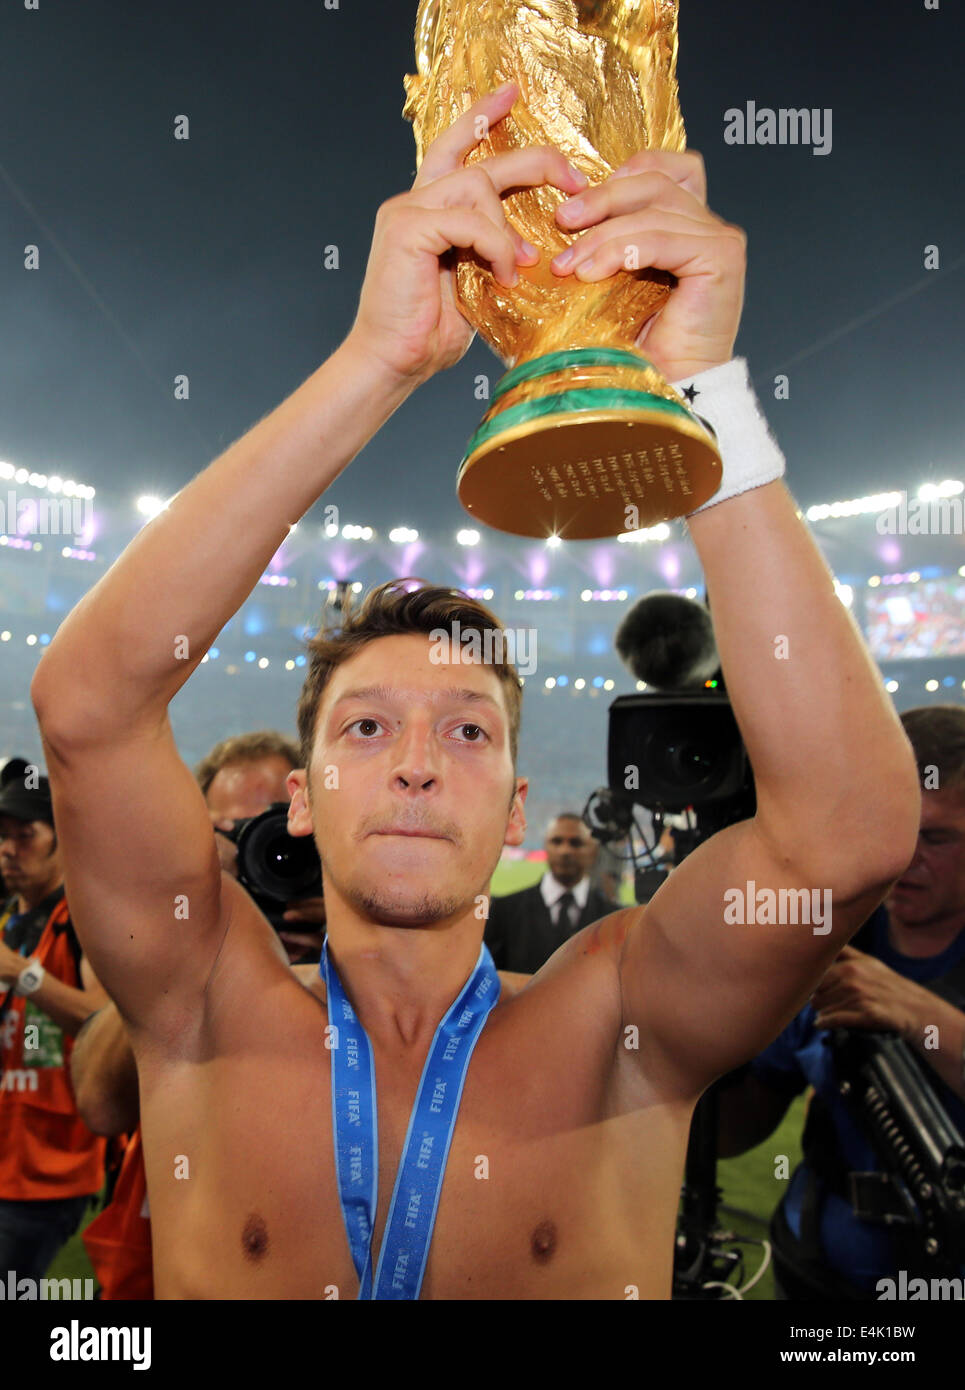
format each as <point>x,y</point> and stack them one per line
<point>571,403</point>
<point>571,357</point>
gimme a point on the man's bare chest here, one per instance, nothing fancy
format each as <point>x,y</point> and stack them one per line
<point>536,1192</point>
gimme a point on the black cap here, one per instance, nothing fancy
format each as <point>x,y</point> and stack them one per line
<point>24,794</point>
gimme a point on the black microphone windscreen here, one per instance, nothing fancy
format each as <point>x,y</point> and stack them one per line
<point>668,641</point>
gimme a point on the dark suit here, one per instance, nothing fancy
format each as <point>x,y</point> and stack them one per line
<point>520,931</point>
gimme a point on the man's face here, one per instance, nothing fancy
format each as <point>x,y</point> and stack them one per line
<point>932,888</point>
<point>570,850</point>
<point>411,778</point>
<point>241,790</point>
<point>28,860</point>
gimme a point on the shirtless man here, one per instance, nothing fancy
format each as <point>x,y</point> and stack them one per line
<point>563,1176</point>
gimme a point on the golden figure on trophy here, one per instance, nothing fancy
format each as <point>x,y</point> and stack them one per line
<point>583,432</point>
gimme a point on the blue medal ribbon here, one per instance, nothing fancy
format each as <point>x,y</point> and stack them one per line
<point>415,1198</point>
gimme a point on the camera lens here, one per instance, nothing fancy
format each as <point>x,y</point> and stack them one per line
<point>686,765</point>
<point>286,857</point>
<point>276,864</point>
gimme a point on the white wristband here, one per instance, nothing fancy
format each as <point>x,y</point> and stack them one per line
<point>30,978</point>
<point>724,398</point>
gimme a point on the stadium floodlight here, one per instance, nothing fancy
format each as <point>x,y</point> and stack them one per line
<point>857,506</point>
<point>403,535</point>
<point>930,492</point>
<point>467,537</point>
<point>148,505</point>
<point>660,532</point>
<point>554,541</point>
<point>42,482</point>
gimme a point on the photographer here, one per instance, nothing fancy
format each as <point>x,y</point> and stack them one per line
<point>889,979</point>
<point>50,1163</point>
<point>240,778</point>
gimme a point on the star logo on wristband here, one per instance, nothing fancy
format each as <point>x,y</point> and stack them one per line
<point>691,393</point>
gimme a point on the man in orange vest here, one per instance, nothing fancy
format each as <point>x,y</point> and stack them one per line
<point>50,1162</point>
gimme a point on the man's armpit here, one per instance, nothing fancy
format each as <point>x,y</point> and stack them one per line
<point>511,982</point>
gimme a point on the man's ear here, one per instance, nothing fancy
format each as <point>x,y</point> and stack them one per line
<point>299,811</point>
<point>516,826</point>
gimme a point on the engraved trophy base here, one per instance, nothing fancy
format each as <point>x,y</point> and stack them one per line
<point>585,444</point>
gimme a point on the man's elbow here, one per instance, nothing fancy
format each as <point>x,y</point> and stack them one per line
<point>889,811</point>
<point>882,849</point>
<point>67,718</point>
<point>48,695</point>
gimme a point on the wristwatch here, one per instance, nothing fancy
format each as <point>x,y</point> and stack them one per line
<point>30,978</point>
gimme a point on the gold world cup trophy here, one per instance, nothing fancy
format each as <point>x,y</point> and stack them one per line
<point>583,437</point>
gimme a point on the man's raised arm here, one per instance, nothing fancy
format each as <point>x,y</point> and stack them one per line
<point>142,872</point>
<point>132,822</point>
<point>838,800</point>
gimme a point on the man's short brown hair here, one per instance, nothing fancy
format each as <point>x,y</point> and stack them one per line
<point>937,736</point>
<point>245,748</point>
<point>393,609</point>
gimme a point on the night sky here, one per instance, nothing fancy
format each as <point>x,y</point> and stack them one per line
<point>204,256</point>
